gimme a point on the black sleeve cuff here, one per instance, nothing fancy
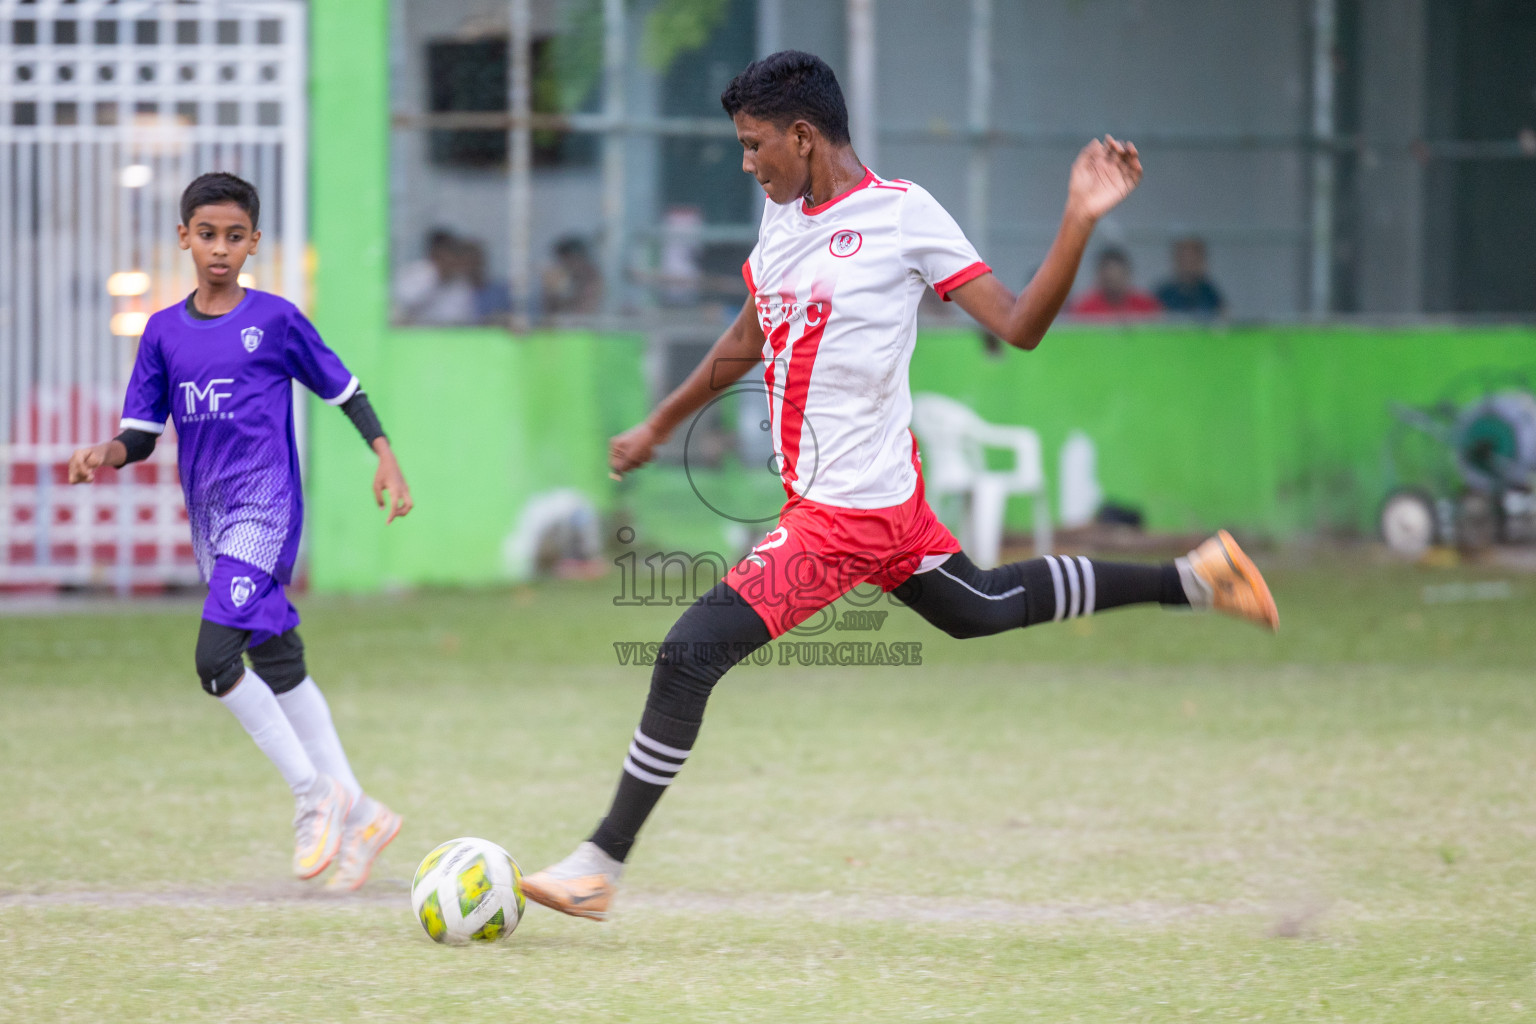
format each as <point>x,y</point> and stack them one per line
<point>360,411</point>
<point>140,444</point>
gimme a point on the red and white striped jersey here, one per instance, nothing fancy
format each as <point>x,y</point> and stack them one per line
<point>837,288</point>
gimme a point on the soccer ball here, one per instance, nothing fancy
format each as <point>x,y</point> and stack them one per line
<point>468,890</point>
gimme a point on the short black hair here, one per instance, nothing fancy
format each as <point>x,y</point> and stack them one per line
<point>1114,254</point>
<point>790,86</point>
<point>219,187</point>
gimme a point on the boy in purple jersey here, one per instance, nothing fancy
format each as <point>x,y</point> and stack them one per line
<point>220,365</point>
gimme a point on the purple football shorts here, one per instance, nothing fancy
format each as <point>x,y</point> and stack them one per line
<point>243,597</point>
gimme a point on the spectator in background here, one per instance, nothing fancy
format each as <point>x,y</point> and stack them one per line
<point>682,250</point>
<point>1190,291</point>
<point>1113,294</point>
<point>437,289</point>
<point>572,283</point>
<point>493,299</point>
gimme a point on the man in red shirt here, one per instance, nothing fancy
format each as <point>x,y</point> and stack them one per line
<point>1113,295</point>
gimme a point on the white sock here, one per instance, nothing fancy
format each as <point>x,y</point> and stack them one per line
<point>256,708</point>
<point>1196,589</point>
<point>310,716</point>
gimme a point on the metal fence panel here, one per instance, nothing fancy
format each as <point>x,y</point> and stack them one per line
<point>107,109</point>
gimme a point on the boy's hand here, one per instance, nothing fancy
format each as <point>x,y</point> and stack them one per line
<point>1104,173</point>
<point>631,449</point>
<point>85,461</point>
<point>389,478</point>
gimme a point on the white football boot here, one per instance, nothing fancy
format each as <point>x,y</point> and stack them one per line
<point>369,828</point>
<point>317,825</point>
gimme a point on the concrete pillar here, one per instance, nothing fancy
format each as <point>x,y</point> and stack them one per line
<point>862,123</point>
<point>614,140</point>
<point>1390,242</point>
<point>520,166</point>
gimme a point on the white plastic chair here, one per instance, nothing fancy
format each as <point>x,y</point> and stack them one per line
<point>954,443</point>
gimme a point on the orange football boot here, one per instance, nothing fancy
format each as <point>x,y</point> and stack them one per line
<point>582,885</point>
<point>1231,582</point>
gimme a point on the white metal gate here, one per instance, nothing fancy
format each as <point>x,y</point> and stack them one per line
<point>107,109</point>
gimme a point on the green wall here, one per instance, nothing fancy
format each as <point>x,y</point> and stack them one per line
<point>349,199</point>
<point>480,421</point>
<point>1276,430</point>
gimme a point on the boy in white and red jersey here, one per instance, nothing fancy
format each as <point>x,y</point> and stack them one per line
<point>842,259</point>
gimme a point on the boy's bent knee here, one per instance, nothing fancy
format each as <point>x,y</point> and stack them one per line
<point>685,674</point>
<point>714,634</point>
<point>219,664</point>
<point>280,661</point>
<point>967,602</point>
<point>967,620</point>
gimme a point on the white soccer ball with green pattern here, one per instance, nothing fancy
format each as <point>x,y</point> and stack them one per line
<point>468,890</point>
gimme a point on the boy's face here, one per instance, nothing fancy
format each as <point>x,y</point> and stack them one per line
<point>220,238</point>
<point>779,158</point>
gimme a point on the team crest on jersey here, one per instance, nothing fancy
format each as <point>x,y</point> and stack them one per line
<point>846,243</point>
<point>251,337</point>
<point>241,587</point>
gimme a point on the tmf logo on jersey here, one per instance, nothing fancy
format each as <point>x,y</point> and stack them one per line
<point>250,338</point>
<point>193,393</point>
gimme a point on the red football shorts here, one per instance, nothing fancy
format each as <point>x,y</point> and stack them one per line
<point>820,552</point>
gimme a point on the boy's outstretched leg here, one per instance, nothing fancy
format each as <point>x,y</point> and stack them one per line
<point>965,601</point>
<point>369,825</point>
<point>719,630</point>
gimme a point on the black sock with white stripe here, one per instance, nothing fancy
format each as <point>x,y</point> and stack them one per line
<point>1060,587</point>
<point>715,633</point>
<point>656,754</point>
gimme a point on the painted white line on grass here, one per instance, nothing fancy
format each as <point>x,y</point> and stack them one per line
<point>826,907</point>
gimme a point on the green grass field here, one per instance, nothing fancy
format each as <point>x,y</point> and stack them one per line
<point>1147,816</point>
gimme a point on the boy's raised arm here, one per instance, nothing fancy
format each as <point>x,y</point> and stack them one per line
<point>1104,173</point>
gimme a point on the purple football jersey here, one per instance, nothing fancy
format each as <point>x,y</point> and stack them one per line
<point>225,383</point>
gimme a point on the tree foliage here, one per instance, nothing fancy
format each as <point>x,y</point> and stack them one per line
<point>670,29</point>
<point>676,27</point>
